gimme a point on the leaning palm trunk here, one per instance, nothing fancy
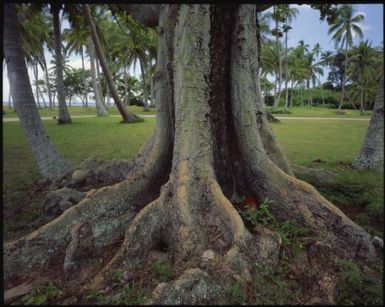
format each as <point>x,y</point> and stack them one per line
<point>50,162</point>
<point>126,115</point>
<point>64,116</point>
<point>85,80</point>
<point>100,109</point>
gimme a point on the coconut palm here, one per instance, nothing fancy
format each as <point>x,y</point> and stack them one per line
<point>64,116</point>
<point>126,115</point>
<point>288,13</point>
<point>344,27</point>
<point>362,59</point>
<point>50,162</point>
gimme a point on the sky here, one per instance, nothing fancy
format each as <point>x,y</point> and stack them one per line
<point>306,26</point>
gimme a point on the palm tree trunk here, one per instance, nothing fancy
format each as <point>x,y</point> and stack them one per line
<point>85,80</point>
<point>362,94</point>
<point>126,115</point>
<point>344,76</point>
<point>34,68</point>
<point>322,91</point>
<point>307,91</point>
<point>47,82</point>
<point>286,72</point>
<point>145,90</point>
<point>50,162</point>
<point>125,82</point>
<point>64,116</point>
<point>100,109</point>
<point>291,94</point>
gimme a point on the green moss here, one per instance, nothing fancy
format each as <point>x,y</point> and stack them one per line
<point>42,293</point>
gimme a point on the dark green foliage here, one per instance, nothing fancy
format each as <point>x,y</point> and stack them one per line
<point>163,270</point>
<point>354,287</point>
<point>236,294</point>
<point>42,293</point>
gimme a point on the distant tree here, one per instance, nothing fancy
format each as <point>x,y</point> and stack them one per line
<point>342,29</point>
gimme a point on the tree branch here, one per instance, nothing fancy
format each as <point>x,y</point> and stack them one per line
<point>145,14</point>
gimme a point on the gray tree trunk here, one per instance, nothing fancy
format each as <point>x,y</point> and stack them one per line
<point>286,72</point>
<point>50,162</point>
<point>51,105</point>
<point>126,115</point>
<point>344,77</point>
<point>64,116</point>
<point>372,152</point>
<point>100,109</point>
<point>145,90</point>
<point>85,81</point>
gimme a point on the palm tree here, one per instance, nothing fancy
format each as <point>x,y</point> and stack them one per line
<point>100,109</point>
<point>126,115</point>
<point>317,50</point>
<point>342,31</point>
<point>361,60</point>
<point>277,17</point>
<point>288,14</point>
<point>64,116</point>
<point>77,38</point>
<point>50,162</point>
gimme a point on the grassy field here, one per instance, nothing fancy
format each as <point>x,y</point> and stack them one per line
<point>45,112</point>
<point>318,112</point>
<point>327,144</point>
<point>295,111</point>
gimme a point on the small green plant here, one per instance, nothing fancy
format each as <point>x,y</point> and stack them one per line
<point>280,111</point>
<point>236,293</point>
<point>42,293</point>
<point>260,215</point>
<point>131,294</point>
<point>98,297</point>
<point>355,287</point>
<point>163,269</point>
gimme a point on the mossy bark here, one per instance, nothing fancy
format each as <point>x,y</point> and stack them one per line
<point>208,147</point>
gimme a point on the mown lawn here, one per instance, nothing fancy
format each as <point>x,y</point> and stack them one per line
<point>45,112</point>
<point>327,144</point>
<point>318,112</point>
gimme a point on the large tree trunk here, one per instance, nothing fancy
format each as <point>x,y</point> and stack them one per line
<point>208,148</point>
<point>127,116</point>
<point>64,116</point>
<point>100,109</point>
<point>50,162</point>
<point>372,152</point>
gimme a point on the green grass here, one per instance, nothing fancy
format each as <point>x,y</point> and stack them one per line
<point>101,137</point>
<point>45,112</point>
<point>322,112</point>
<point>328,140</point>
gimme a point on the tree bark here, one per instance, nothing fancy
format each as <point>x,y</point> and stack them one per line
<point>344,76</point>
<point>371,155</point>
<point>64,116</point>
<point>100,109</point>
<point>286,71</point>
<point>127,116</point>
<point>145,89</point>
<point>48,83</point>
<point>85,81</point>
<point>50,162</point>
<point>209,146</point>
